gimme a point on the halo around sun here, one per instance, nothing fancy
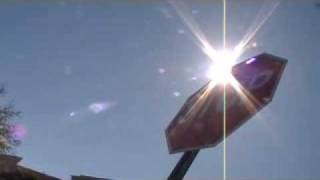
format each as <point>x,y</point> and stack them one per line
<point>220,70</point>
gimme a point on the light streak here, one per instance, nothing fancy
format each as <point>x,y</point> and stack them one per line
<point>199,106</point>
<point>250,61</point>
<point>188,20</point>
<point>264,14</point>
<point>224,95</point>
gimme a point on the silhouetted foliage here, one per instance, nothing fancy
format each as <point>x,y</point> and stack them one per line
<point>7,113</point>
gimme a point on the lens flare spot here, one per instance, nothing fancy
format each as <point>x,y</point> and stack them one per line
<point>176,93</point>
<point>254,44</point>
<point>161,70</point>
<point>72,114</point>
<point>181,31</point>
<point>99,107</point>
<point>194,78</point>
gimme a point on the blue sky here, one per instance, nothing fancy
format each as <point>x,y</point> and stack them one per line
<point>141,62</point>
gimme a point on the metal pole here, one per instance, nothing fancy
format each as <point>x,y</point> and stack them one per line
<point>183,165</point>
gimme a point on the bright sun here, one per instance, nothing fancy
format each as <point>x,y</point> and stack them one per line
<point>220,70</point>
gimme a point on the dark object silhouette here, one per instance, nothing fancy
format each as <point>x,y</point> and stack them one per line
<point>199,123</point>
<point>10,170</point>
<point>83,177</point>
<point>183,165</point>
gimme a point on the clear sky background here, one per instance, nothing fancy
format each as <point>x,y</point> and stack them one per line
<point>98,82</point>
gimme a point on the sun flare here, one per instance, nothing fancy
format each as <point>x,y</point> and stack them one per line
<point>220,71</point>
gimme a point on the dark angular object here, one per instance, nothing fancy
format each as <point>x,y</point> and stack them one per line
<point>199,123</point>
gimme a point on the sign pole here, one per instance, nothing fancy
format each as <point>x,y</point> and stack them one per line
<point>183,165</point>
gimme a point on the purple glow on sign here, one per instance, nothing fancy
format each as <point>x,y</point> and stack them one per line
<point>19,131</point>
<point>99,107</point>
<point>250,60</point>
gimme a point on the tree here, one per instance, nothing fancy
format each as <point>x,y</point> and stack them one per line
<point>7,138</point>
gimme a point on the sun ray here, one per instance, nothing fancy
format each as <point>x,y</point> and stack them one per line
<point>264,14</point>
<point>266,114</point>
<point>250,103</point>
<point>197,33</point>
<point>248,100</point>
<point>199,105</point>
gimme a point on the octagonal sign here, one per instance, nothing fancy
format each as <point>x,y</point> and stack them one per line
<point>199,123</point>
